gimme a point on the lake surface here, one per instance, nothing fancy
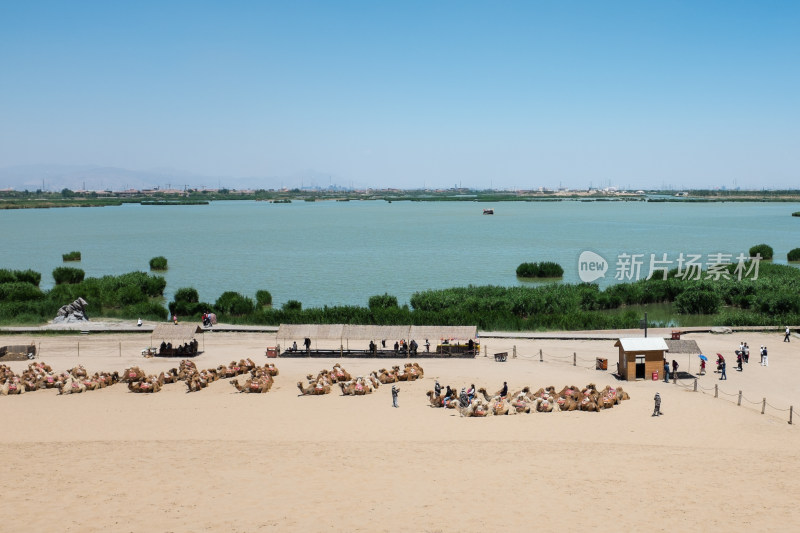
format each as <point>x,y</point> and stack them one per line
<point>330,253</point>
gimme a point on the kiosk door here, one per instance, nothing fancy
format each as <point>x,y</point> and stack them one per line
<point>640,367</point>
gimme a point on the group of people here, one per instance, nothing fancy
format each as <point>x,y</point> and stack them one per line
<point>187,348</point>
<point>666,370</point>
<point>306,344</point>
<point>742,358</point>
<point>408,347</point>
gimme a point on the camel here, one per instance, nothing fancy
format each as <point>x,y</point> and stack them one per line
<point>11,387</point>
<point>356,387</point>
<point>271,369</point>
<point>255,385</point>
<point>315,389</point>
<point>436,401</point>
<point>78,371</point>
<point>385,376</point>
<point>339,374</point>
<point>71,386</point>
<point>133,374</point>
<point>500,406</point>
<point>521,404</point>
<point>476,408</point>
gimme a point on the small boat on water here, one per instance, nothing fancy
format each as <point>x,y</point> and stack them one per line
<point>488,211</point>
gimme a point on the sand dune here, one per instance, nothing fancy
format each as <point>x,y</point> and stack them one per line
<point>219,460</point>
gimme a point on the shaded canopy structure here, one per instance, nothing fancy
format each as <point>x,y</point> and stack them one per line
<point>175,333</point>
<point>288,333</point>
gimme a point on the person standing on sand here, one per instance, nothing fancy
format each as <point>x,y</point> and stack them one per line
<point>766,357</point>
<point>657,408</point>
<point>786,337</point>
<point>722,366</point>
<point>437,389</point>
<point>666,371</point>
<point>504,391</point>
<point>175,319</point>
<point>395,392</point>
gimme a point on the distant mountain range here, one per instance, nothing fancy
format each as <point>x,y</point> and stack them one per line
<point>97,178</point>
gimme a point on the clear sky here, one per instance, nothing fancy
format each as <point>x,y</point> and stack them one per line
<point>410,93</point>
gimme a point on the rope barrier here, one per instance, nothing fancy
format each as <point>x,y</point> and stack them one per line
<point>749,401</point>
<point>723,392</point>
<point>776,408</point>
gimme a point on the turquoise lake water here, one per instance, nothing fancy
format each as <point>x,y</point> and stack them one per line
<point>330,253</point>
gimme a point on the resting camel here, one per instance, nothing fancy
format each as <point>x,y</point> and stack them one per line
<point>385,376</point>
<point>12,386</point>
<point>271,369</point>
<point>314,389</point>
<point>339,374</point>
<point>255,385</point>
<point>521,404</point>
<point>71,386</point>
<point>476,408</point>
<point>501,406</point>
<point>78,371</point>
<point>133,374</point>
<point>357,387</point>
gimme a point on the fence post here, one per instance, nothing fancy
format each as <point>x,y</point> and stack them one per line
<point>716,390</point>
<point>485,351</point>
<point>515,352</point>
<point>674,378</point>
<point>695,384</point>
<point>540,356</point>
<point>739,402</point>
<point>791,409</point>
<point>120,349</point>
<point>574,358</point>
<point>79,348</point>
<point>341,350</point>
<point>763,405</point>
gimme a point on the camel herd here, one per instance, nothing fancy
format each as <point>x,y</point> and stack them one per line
<point>323,382</point>
<point>547,400</point>
<point>77,380</point>
<point>41,376</point>
<point>259,379</point>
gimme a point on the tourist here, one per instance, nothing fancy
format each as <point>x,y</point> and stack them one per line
<point>383,343</point>
<point>427,345</point>
<point>657,408</point>
<point>396,347</point>
<point>395,392</point>
<point>746,353</point>
<point>294,346</point>
<point>786,337</point>
<point>739,359</point>
<point>471,392</point>
<point>175,319</point>
<point>504,390</point>
<point>674,369</point>
<point>766,357</point>
<point>139,323</point>
<point>666,371</point>
<point>307,343</point>
<point>702,367</point>
<point>722,366</point>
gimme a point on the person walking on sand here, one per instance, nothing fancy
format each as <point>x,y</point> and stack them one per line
<point>746,353</point>
<point>666,371</point>
<point>395,392</point>
<point>674,369</point>
<point>722,366</point>
<point>657,408</point>
<point>786,337</point>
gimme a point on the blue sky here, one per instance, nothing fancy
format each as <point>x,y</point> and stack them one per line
<point>409,94</point>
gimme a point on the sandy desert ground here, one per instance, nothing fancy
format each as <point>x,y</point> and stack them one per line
<point>217,460</point>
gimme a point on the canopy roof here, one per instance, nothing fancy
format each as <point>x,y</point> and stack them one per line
<point>370,332</point>
<point>169,332</point>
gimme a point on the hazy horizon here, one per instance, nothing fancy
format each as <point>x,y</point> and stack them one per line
<point>415,95</point>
